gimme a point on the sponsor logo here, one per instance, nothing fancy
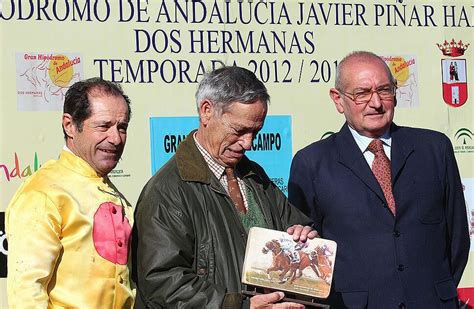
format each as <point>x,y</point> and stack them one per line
<point>3,247</point>
<point>42,79</point>
<point>405,71</point>
<point>18,169</point>
<point>271,147</point>
<point>266,141</point>
<point>261,142</point>
<point>454,73</point>
<point>464,141</point>
<point>171,142</point>
<point>117,173</point>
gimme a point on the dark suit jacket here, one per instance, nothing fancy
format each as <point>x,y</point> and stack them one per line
<point>413,260</point>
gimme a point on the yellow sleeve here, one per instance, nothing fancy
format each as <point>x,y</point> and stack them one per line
<point>33,226</point>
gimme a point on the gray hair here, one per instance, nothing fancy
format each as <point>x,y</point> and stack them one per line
<point>364,56</point>
<point>230,84</point>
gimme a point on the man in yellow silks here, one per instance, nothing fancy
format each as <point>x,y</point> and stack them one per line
<point>68,227</point>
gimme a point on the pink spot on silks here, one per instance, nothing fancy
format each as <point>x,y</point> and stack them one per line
<point>111,233</point>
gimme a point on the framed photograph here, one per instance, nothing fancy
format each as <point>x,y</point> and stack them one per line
<point>273,260</point>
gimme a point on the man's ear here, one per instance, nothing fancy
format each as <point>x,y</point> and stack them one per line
<point>68,125</point>
<point>206,111</point>
<point>337,99</point>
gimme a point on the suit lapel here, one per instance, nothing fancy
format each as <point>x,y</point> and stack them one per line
<point>401,151</point>
<point>351,156</point>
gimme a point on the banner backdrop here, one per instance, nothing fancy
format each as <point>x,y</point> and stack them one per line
<point>271,147</point>
<point>159,50</point>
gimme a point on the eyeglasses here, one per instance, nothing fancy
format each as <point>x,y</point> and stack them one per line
<point>364,96</point>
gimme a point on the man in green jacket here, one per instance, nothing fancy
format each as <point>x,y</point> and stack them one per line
<point>192,217</point>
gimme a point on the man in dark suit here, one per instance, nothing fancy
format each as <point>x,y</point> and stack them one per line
<point>398,214</point>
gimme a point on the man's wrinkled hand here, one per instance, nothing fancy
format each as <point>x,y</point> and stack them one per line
<point>302,233</point>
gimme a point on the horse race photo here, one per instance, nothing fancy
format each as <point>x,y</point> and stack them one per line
<point>274,260</point>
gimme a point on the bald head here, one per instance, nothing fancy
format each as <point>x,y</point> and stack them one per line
<point>357,57</point>
<point>365,93</point>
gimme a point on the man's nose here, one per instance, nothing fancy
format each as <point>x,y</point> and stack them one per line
<point>246,141</point>
<point>375,101</point>
<point>114,137</point>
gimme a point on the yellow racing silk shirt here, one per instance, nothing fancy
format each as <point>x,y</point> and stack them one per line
<point>68,233</point>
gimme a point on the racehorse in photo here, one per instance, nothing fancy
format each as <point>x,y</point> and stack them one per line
<point>321,264</point>
<point>281,262</point>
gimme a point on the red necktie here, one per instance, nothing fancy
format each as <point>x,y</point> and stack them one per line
<point>382,171</point>
<point>234,190</point>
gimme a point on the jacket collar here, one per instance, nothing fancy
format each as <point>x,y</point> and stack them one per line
<point>350,155</point>
<point>77,164</point>
<point>404,148</point>
<point>193,167</point>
